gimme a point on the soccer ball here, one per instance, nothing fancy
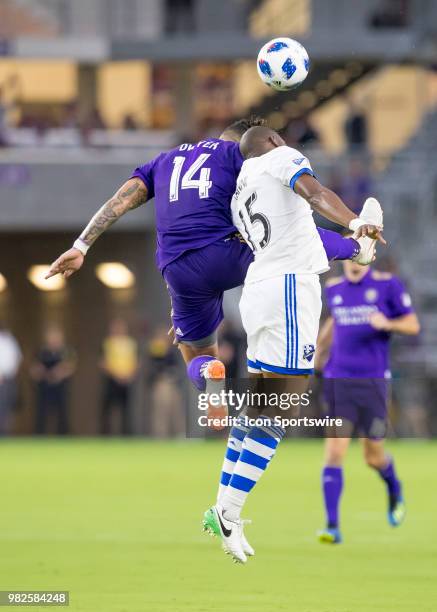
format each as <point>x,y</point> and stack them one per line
<point>283,64</point>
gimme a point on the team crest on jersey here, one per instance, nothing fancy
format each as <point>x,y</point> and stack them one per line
<point>298,161</point>
<point>371,295</point>
<point>337,299</point>
<point>308,351</point>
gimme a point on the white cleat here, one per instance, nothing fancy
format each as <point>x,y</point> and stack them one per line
<point>247,548</point>
<point>230,532</point>
<point>372,214</point>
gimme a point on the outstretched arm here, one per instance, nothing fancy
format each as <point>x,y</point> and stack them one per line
<point>329,205</point>
<point>407,324</point>
<point>130,195</point>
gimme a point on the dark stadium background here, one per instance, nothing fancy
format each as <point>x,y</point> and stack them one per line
<point>90,90</point>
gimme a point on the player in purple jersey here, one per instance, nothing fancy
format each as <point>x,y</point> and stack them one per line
<point>366,307</point>
<point>193,185</point>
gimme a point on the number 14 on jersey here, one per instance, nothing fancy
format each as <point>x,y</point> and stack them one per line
<point>203,184</point>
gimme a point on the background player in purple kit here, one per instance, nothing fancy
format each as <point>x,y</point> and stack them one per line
<point>366,307</point>
<point>199,251</point>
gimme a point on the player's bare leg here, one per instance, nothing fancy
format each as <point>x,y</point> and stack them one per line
<point>377,458</point>
<point>189,352</point>
<point>336,450</point>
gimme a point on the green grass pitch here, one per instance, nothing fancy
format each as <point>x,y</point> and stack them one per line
<point>118,524</point>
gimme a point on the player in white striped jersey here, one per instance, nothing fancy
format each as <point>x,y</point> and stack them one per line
<point>281,301</point>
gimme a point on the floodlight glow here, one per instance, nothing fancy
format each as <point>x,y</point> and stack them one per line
<point>37,274</point>
<point>115,275</point>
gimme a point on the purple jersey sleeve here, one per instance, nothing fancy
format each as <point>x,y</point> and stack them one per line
<point>398,299</point>
<point>146,174</point>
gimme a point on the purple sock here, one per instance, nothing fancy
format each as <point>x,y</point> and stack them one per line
<point>388,474</point>
<point>337,246</point>
<point>332,483</point>
<point>193,371</point>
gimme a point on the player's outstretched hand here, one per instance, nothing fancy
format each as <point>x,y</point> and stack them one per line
<point>67,264</point>
<point>372,231</point>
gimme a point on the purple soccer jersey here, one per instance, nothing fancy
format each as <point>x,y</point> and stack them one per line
<point>193,185</point>
<point>358,350</point>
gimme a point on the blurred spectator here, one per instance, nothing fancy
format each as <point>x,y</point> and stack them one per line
<point>4,110</point>
<point>52,369</point>
<point>167,415</point>
<point>356,185</point>
<point>231,343</point>
<point>94,121</point>
<point>120,367</point>
<point>356,128</point>
<point>3,116</point>
<point>300,132</point>
<point>392,14</point>
<point>129,123</point>
<point>10,94</point>
<point>10,361</point>
<point>71,116</point>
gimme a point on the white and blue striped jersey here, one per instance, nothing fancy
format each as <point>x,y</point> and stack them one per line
<point>275,221</point>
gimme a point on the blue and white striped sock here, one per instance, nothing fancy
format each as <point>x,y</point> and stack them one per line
<point>258,449</point>
<point>233,450</point>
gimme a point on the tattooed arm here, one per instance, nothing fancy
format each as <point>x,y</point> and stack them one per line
<point>130,195</point>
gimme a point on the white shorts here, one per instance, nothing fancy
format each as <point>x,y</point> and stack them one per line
<point>281,317</point>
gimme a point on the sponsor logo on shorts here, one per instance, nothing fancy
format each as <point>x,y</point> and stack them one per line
<point>179,332</point>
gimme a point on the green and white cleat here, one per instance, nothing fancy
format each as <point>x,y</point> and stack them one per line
<point>247,548</point>
<point>216,524</point>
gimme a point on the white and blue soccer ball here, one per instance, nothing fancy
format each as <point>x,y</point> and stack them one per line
<point>283,64</point>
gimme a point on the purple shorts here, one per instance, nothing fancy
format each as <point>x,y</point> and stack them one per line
<point>361,401</point>
<point>196,282</point>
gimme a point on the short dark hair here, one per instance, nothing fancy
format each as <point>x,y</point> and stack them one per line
<point>242,125</point>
